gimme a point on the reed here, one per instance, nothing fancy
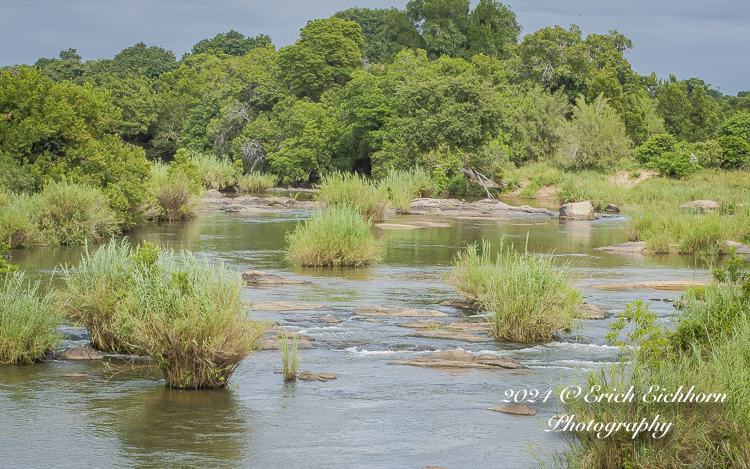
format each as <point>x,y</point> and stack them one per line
<point>289,359</point>
<point>256,182</point>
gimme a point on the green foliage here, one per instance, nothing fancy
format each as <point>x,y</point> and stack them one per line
<point>27,321</point>
<point>186,168</point>
<point>385,32</point>
<point>538,122</point>
<point>343,189</point>
<point>144,60</point>
<point>324,56</point>
<point>737,126</point>
<point>595,137</point>
<point>337,236</point>
<point>231,43</point>
<point>216,173</point>
<point>6,268</point>
<point>709,154</point>
<point>403,186</point>
<point>654,147</point>
<point>735,151</point>
<point>647,335</point>
<point>529,295</point>
<point>675,164</point>
<point>175,190</point>
<point>256,182</point>
<point>591,186</point>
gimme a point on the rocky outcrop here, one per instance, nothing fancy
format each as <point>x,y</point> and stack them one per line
<point>741,248</point>
<point>214,200</point>
<point>284,306</point>
<point>307,376</point>
<point>397,311</point>
<point>677,284</point>
<point>632,247</point>
<point>701,206</point>
<point>259,277</point>
<point>486,208</point>
<point>516,410</point>
<point>461,304</point>
<point>588,311</point>
<point>270,340</point>
<point>461,359</point>
<point>577,211</point>
<point>80,353</point>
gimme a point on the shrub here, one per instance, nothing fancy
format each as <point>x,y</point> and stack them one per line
<point>403,186</point>
<point>255,182</point>
<point>654,147</point>
<point>351,189</point>
<point>69,213</point>
<point>189,316</point>
<point>337,236</point>
<point>174,193</point>
<point>27,321</point>
<point>735,151</point>
<point>529,296</point>
<point>675,164</point>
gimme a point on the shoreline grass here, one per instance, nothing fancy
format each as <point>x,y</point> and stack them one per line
<point>27,321</point>
<point>403,186</point>
<point>529,296</point>
<point>339,188</point>
<point>174,193</point>
<point>336,236</point>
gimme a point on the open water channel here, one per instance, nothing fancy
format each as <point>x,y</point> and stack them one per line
<point>375,415</point>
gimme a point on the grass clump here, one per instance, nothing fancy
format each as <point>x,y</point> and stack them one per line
<point>337,236</point>
<point>256,182</point>
<point>27,321</point>
<point>707,354</point>
<point>339,188</point>
<point>175,193</point>
<point>592,186</point>
<point>403,186</point>
<point>529,295</point>
<point>289,359</point>
<point>548,176</point>
<point>215,173</point>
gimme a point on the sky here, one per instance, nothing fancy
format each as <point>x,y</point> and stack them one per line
<point>687,38</point>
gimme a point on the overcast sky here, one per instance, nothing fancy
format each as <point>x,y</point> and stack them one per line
<point>687,38</point>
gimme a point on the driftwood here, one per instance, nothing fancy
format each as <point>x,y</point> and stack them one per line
<point>472,175</point>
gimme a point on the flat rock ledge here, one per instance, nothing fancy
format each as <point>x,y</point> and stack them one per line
<point>284,306</point>
<point>80,353</point>
<point>462,326</point>
<point>677,284</point>
<point>215,200</point>
<point>412,225</point>
<point>461,359</point>
<point>308,376</point>
<point>397,311</point>
<point>446,334</point>
<point>485,208</point>
<point>270,340</point>
<point>639,247</point>
<point>76,375</point>
<point>516,410</point>
<point>259,277</point>
<point>329,319</point>
<point>589,311</point>
<point>461,304</point>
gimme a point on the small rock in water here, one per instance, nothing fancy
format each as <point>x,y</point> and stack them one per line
<point>308,376</point>
<point>80,353</point>
<point>577,211</point>
<point>284,306</point>
<point>588,311</point>
<point>612,208</point>
<point>397,311</point>
<point>328,319</point>
<point>463,304</point>
<point>517,410</point>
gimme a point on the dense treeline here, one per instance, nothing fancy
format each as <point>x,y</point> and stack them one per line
<point>438,85</point>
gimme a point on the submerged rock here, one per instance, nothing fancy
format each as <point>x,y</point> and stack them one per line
<point>80,353</point>
<point>462,304</point>
<point>461,359</point>
<point>397,311</point>
<point>666,285</point>
<point>76,375</point>
<point>328,319</point>
<point>577,211</point>
<point>271,338</point>
<point>284,306</point>
<point>517,410</point>
<point>447,334</point>
<point>588,311</point>
<point>259,277</point>
<point>307,376</point>
<point>463,326</point>
<point>395,226</point>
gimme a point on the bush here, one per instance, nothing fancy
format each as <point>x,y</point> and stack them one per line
<point>403,186</point>
<point>255,182</point>
<point>675,164</point>
<point>735,151</point>
<point>529,296</point>
<point>189,316</point>
<point>654,147</point>
<point>27,321</point>
<point>353,190</point>
<point>337,236</point>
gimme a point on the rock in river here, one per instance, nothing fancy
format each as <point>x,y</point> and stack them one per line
<point>446,334</point>
<point>397,311</point>
<point>577,211</point>
<point>270,340</point>
<point>80,353</point>
<point>284,306</point>
<point>517,410</point>
<point>668,285</point>
<point>258,277</point>
<point>307,376</point>
<point>588,311</point>
<point>461,359</point>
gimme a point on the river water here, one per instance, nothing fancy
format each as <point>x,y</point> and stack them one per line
<point>375,415</point>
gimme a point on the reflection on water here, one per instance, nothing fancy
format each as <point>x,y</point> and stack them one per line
<point>374,415</point>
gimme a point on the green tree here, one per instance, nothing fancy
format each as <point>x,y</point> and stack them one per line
<point>444,25</point>
<point>385,31</point>
<point>538,120</point>
<point>143,60</point>
<point>655,147</point>
<point>231,43</point>
<point>492,28</point>
<point>67,67</point>
<point>324,56</point>
<point>595,137</point>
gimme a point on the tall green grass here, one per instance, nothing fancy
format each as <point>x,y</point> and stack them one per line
<point>403,186</point>
<point>529,295</point>
<point>339,188</point>
<point>592,186</point>
<point>548,176</point>
<point>336,236</point>
<point>216,173</point>
<point>256,182</point>
<point>289,358</point>
<point>28,321</point>
<point>174,193</point>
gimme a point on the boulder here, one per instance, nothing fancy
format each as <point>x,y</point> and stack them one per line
<point>308,376</point>
<point>284,306</point>
<point>397,311</point>
<point>587,311</point>
<point>577,211</point>
<point>80,353</point>
<point>701,206</point>
<point>741,248</point>
<point>634,247</point>
<point>516,410</point>
<point>612,208</point>
<point>258,277</point>
<point>213,194</point>
<point>461,359</point>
